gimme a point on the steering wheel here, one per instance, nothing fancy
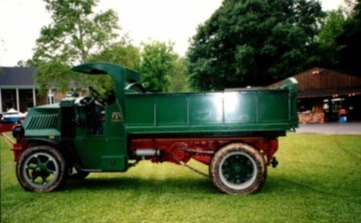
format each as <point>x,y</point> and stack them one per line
<point>96,95</point>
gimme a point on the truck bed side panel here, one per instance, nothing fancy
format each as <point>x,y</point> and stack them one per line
<point>265,110</point>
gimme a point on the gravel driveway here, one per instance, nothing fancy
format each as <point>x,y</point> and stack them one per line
<point>331,128</point>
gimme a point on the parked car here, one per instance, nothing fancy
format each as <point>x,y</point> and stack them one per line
<point>12,116</point>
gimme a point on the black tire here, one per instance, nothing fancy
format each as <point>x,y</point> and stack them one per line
<point>238,168</point>
<point>74,174</point>
<point>41,169</point>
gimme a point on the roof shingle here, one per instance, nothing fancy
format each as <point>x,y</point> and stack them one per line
<point>17,76</point>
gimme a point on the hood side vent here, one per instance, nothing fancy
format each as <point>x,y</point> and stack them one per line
<point>43,122</point>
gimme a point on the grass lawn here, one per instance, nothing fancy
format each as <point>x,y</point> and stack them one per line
<point>318,180</point>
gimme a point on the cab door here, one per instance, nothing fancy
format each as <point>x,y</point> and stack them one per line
<point>99,140</point>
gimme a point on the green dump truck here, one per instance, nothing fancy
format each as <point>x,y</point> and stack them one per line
<point>234,132</point>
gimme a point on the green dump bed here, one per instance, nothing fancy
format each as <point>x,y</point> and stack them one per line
<point>229,112</point>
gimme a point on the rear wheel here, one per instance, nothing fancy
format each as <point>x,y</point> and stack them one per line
<point>238,168</point>
<point>41,169</point>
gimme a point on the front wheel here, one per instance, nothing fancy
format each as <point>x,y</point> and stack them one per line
<point>238,168</point>
<point>41,169</point>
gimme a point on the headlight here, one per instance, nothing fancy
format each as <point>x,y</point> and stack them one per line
<point>18,132</point>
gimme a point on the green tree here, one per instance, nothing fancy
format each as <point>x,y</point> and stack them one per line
<point>332,27</point>
<point>350,44</point>
<point>253,42</point>
<point>122,53</point>
<point>178,78</point>
<point>75,33</point>
<point>157,63</point>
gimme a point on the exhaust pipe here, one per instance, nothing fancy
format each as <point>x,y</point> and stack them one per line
<point>147,152</point>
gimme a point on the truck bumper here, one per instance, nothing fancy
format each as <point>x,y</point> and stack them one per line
<point>18,150</point>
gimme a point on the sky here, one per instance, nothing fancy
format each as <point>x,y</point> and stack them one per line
<point>161,20</point>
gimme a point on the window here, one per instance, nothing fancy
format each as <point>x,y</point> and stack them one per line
<point>50,96</point>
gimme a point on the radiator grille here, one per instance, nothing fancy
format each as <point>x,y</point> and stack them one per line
<point>43,121</point>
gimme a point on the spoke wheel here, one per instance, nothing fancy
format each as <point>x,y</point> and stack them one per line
<point>238,169</point>
<point>41,169</point>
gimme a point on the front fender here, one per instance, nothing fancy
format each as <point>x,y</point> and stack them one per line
<point>20,147</point>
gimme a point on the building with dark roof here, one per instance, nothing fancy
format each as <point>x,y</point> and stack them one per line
<point>322,93</point>
<point>17,88</point>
